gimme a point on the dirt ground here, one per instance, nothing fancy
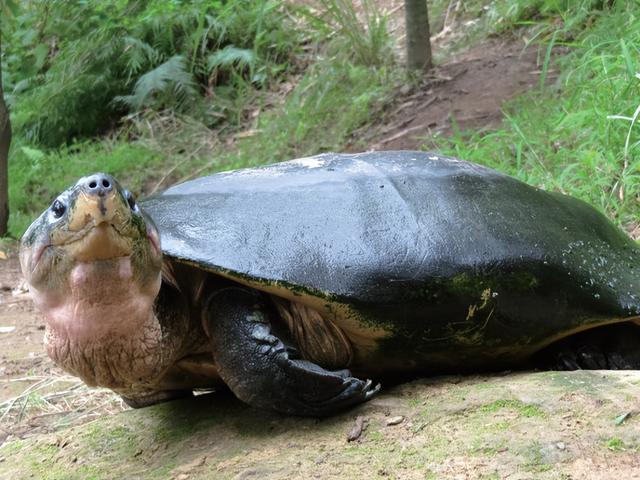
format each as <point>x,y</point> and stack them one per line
<point>35,395</point>
<point>514,425</point>
<point>469,90</point>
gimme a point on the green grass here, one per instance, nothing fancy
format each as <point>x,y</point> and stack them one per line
<point>12,447</point>
<point>523,409</point>
<point>37,176</point>
<point>561,137</point>
<point>615,444</point>
<point>329,103</point>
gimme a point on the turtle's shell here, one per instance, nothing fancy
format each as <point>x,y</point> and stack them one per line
<point>416,242</point>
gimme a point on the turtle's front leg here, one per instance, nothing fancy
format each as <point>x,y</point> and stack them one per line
<point>262,371</point>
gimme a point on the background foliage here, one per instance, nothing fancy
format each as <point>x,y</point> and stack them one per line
<point>76,67</point>
<point>565,136</point>
<point>158,91</point>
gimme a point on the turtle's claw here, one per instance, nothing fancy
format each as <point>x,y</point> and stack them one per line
<point>372,392</point>
<point>342,373</point>
<point>262,335</point>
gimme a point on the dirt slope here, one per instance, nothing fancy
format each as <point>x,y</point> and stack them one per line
<point>469,90</point>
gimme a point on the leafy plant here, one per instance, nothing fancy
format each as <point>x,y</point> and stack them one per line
<point>361,25</point>
<point>77,67</point>
<point>170,84</point>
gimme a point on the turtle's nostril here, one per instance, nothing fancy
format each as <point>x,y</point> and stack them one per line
<point>98,184</point>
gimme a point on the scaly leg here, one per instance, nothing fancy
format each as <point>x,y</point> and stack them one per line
<point>262,371</point>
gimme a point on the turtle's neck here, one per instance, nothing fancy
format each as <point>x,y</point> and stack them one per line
<point>105,330</point>
<point>118,360</point>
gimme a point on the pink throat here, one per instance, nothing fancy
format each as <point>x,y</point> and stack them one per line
<point>103,328</point>
<point>103,302</point>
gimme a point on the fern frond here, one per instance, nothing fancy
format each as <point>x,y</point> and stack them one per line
<point>230,56</point>
<point>169,83</point>
<point>139,55</point>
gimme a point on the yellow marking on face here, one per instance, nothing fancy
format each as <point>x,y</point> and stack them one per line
<point>486,295</point>
<point>94,208</point>
<point>90,233</point>
<point>101,243</point>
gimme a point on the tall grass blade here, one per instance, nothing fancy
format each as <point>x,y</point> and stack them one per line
<point>628,61</point>
<point>547,60</point>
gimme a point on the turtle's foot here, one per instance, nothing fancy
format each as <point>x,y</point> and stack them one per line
<point>264,372</point>
<point>612,347</point>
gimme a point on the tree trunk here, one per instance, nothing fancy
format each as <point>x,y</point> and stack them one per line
<point>5,142</point>
<point>418,37</point>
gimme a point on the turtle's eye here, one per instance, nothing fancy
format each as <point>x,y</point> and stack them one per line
<point>58,208</point>
<point>131,200</point>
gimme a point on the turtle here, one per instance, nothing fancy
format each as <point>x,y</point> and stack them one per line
<point>297,283</point>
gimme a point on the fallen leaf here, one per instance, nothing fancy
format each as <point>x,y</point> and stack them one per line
<point>357,429</point>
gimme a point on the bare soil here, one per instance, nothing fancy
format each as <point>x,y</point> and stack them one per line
<point>469,91</point>
<point>35,395</point>
<point>547,425</point>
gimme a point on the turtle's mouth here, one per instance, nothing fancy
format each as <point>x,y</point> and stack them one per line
<point>94,242</point>
<point>98,242</point>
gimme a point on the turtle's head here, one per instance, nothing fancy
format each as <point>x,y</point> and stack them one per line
<point>95,222</point>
